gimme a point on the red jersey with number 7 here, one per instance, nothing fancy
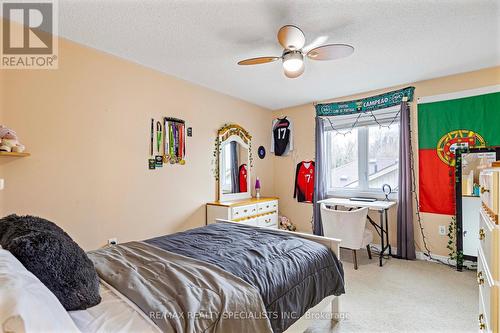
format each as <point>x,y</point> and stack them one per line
<point>304,181</point>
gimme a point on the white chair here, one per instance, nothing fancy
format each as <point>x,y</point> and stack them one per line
<point>349,226</point>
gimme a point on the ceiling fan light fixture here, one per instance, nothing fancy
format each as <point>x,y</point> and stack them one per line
<point>293,61</point>
<point>294,74</point>
<point>292,39</point>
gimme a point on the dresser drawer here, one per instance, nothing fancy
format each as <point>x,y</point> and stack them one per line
<point>489,311</point>
<point>251,221</point>
<point>239,212</point>
<point>485,284</point>
<point>267,207</point>
<point>489,244</point>
<point>269,221</point>
<point>483,323</point>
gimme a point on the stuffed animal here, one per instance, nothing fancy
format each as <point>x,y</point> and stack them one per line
<point>9,141</point>
<point>286,224</point>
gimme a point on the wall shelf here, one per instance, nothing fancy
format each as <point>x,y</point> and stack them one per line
<point>7,154</point>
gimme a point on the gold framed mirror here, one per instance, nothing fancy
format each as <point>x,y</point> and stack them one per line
<point>233,163</point>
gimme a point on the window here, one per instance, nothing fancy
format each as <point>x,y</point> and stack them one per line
<point>383,156</point>
<point>361,159</point>
<point>342,155</point>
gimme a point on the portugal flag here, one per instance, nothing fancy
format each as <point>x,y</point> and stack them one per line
<point>444,126</point>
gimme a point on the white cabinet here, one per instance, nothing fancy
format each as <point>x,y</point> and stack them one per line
<point>470,224</point>
<point>261,212</point>
<point>488,260</point>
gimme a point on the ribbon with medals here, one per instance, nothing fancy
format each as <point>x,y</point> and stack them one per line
<point>175,141</point>
<point>170,142</point>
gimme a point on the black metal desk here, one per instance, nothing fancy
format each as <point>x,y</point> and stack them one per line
<point>382,227</point>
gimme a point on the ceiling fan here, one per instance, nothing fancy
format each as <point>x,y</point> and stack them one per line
<point>292,39</point>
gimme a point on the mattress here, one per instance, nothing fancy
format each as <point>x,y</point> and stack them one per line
<point>115,313</point>
<point>292,274</point>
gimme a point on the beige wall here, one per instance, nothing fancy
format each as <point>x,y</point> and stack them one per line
<point>87,127</point>
<point>303,122</point>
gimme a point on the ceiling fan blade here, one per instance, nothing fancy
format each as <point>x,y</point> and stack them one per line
<point>315,43</point>
<point>330,52</point>
<point>257,61</point>
<point>291,37</point>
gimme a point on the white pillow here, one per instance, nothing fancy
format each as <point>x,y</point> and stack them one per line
<point>26,304</point>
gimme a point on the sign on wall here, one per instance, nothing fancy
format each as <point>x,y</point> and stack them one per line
<point>372,103</point>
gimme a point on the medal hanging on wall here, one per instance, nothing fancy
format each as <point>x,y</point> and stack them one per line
<point>182,144</point>
<point>151,161</point>
<point>159,134</point>
<point>169,140</point>
<point>175,141</point>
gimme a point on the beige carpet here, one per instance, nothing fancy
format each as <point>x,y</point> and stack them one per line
<point>401,296</point>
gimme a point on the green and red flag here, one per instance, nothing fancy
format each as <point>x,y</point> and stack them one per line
<point>443,127</point>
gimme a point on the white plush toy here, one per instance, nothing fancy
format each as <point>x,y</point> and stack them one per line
<point>9,141</point>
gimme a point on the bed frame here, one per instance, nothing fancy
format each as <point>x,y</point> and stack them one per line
<point>332,243</point>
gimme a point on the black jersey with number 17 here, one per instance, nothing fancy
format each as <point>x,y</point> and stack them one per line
<point>281,132</point>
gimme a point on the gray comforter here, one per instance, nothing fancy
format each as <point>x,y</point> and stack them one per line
<point>292,274</point>
<point>181,294</point>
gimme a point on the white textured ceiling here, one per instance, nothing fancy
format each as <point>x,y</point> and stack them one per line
<point>395,41</point>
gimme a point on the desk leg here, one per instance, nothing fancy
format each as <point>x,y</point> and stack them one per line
<point>387,231</point>
<point>382,248</point>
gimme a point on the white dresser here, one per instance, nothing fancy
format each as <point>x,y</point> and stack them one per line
<point>261,212</point>
<point>488,260</point>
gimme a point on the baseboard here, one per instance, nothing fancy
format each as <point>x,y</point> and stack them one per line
<point>422,256</point>
<point>444,259</point>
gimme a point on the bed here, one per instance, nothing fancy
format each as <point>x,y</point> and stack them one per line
<point>235,270</point>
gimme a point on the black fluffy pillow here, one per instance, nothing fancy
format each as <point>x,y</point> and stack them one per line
<point>54,258</point>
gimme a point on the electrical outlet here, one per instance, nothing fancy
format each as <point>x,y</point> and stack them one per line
<point>112,241</point>
<point>442,230</point>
